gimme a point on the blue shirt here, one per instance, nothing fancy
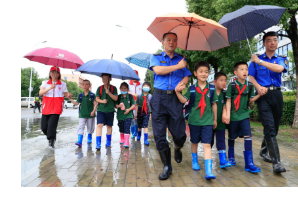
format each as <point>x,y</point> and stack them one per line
<point>264,76</point>
<point>170,80</point>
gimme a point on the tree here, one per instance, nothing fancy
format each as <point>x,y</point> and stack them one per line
<point>73,88</point>
<point>215,9</point>
<point>25,82</point>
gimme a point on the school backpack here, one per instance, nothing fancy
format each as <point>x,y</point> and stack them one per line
<point>148,102</point>
<point>192,99</point>
<point>233,86</point>
<point>101,88</point>
<point>92,97</point>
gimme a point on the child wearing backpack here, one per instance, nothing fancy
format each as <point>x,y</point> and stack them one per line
<point>125,105</point>
<point>143,111</point>
<point>87,110</point>
<point>106,96</point>
<point>239,94</point>
<point>202,116</point>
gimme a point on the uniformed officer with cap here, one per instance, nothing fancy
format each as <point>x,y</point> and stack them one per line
<point>169,71</point>
<point>265,73</point>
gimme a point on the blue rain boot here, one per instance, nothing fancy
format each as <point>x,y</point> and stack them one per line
<point>195,164</point>
<point>223,163</point>
<point>109,137</point>
<point>136,130</point>
<point>231,156</point>
<point>132,129</point>
<point>80,140</point>
<point>139,135</point>
<point>146,139</point>
<point>98,142</point>
<point>249,163</point>
<point>89,139</point>
<point>208,169</point>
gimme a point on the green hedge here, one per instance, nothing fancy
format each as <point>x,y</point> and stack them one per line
<point>288,109</point>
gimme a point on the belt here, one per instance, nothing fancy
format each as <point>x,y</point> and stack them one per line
<point>169,92</point>
<point>271,88</point>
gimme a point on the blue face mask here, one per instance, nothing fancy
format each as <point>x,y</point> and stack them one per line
<point>124,92</point>
<point>146,89</point>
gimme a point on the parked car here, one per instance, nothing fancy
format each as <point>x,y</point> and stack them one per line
<point>68,104</point>
<point>285,89</point>
<point>24,102</point>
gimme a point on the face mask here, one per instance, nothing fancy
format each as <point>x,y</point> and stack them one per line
<point>146,89</point>
<point>124,92</point>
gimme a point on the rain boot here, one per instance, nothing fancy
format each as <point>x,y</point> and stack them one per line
<point>263,152</point>
<point>139,135</point>
<point>98,142</point>
<point>146,139</point>
<point>136,130</point>
<point>273,149</point>
<point>132,129</point>
<point>208,169</point>
<point>80,140</point>
<point>249,163</point>
<point>109,137</point>
<point>177,153</point>
<point>231,156</point>
<point>165,156</point>
<point>223,163</point>
<point>121,138</point>
<point>52,143</point>
<point>126,141</point>
<point>89,139</point>
<point>195,164</point>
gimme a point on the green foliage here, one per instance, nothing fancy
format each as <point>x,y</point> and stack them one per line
<point>289,93</point>
<point>25,82</point>
<point>149,77</point>
<point>289,99</point>
<point>73,88</point>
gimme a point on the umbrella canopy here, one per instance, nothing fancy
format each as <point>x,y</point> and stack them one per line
<point>140,59</point>
<point>115,68</point>
<point>56,57</point>
<point>249,21</point>
<point>194,32</point>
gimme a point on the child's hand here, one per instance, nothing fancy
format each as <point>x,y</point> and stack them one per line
<point>92,113</point>
<point>53,86</point>
<point>150,116</point>
<point>227,120</point>
<point>104,101</point>
<point>215,124</point>
<point>136,116</point>
<point>107,91</point>
<point>126,111</point>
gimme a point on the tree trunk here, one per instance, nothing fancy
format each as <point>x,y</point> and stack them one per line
<point>293,36</point>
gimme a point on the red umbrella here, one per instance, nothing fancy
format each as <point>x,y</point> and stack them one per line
<point>56,57</point>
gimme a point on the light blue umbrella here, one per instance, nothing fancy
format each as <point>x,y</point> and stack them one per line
<point>117,69</point>
<point>140,59</point>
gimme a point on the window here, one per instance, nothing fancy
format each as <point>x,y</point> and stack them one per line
<point>65,78</point>
<point>23,99</point>
<point>285,50</point>
<point>31,99</point>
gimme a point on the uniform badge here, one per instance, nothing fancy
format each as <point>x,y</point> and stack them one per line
<point>208,95</point>
<point>59,88</point>
<point>274,62</point>
<point>163,61</point>
<point>128,101</point>
<point>222,101</point>
<point>286,61</point>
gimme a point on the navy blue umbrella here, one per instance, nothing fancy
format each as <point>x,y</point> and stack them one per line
<point>140,59</point>
<point>117,69</point>
<point>249,21</point>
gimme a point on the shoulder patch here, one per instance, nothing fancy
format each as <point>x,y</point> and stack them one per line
<point>182,55</point>
<point>157,54</point>
<point>286,61</point>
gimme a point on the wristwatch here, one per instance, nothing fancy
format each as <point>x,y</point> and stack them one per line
<point>260,63</point>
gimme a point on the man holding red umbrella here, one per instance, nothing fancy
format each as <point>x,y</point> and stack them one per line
<point>169,71</point>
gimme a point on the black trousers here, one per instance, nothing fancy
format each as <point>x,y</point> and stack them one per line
<point>270,108</point>
<point>167,111</point>
<point>37,105</point>
<point>49,125</point>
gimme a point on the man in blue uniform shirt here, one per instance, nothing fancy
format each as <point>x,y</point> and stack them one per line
<point>169,71</point>
<point>265,73</point>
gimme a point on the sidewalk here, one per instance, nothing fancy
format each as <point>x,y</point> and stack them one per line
<point>139,165</point>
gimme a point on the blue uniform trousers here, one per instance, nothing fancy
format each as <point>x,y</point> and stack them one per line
<point>167,110</point>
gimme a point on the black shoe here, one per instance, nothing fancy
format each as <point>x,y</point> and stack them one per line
<point>177,153</point>
<point>263,152</point>
<point>165,156</point>
<point>274,154</point>
<point>52,143</point>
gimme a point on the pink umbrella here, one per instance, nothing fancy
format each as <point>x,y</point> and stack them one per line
<point>56,57</point>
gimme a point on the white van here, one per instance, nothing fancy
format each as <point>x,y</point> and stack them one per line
<point>24,102</point>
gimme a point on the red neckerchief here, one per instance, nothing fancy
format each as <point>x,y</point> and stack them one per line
<point>144,105</point>
<point>57,83</point>
<point>237,100</point>
<point>202,102</point>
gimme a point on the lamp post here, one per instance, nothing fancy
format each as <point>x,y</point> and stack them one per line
<point>30,89</point>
